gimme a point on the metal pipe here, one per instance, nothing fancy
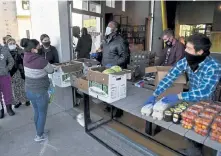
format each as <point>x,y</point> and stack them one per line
<point>164,14</point>
<point>151,24</point>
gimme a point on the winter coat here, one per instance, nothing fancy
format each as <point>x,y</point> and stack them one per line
<point>6,61</point>
<point>115,51</point>
<point>83,48</point>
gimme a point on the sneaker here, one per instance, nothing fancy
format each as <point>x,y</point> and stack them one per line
<point>17,105</point>
<point>27,103</point>
<point>41,138</point>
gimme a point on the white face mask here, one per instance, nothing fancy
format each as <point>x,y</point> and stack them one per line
<point>12,47</point>
<point>108,31</point>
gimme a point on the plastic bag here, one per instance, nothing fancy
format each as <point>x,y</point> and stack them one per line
<point>147,110</point>
<point>160,106</point>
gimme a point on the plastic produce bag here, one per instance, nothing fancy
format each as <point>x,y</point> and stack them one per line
<point>147,110</point>
<point>159,109</point>
<point>160,106</point>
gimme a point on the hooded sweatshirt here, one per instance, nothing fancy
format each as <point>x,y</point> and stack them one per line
<point>36,72</point>
<point>84,46</point>
<point>6,61</point>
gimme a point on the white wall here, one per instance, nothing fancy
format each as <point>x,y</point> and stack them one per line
<point>45,20</point>
<point>23,25</point>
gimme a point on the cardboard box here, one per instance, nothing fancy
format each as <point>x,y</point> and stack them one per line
<point>87,64</point>
<point>82,83</point>
<point>128,73</point>
<point>107,87</point>
<point>161,72</point>
<point>61,77</point>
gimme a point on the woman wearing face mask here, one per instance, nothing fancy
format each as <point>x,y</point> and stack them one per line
<point>84,44</point>
<point>48,51</point>
<point>36,84</point>
<point>17,74</point>
<point>6,64</point>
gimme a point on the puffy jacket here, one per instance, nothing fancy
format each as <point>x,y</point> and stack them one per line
<point>115,51</point>
<point>6,61</point>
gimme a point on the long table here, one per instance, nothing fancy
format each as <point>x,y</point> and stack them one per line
<point>133,104</point>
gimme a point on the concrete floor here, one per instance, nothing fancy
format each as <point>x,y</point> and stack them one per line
<point>66,136</point>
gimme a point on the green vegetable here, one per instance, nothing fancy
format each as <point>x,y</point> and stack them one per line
<point>116,68</point>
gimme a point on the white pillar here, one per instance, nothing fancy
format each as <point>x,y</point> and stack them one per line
<point>52,17</point>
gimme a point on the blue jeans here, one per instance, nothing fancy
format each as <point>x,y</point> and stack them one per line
<point>40,104</point>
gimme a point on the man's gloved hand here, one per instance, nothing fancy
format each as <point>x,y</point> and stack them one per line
<point>108,65</point>
<point>150,100</point>
<point>94,55</point>
<point>171,99</point>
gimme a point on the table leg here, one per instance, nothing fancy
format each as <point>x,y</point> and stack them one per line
<point>148,128</point>
<point>86,111</point>
<point>74,96</point>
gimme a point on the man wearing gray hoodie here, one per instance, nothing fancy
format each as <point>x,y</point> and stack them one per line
<point>6,64</point>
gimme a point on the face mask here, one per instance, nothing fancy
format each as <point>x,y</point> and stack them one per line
<point>195,60</point>
<point>46,44</point>
<point>108,31</point>
<point>168,43</point>
<point>12,47</point>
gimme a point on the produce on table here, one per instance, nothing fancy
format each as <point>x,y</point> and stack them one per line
<point>116,68</point>
<point>108,71</point>
<point>168,116</point>
<point>188,119</point>
<point>200,131</point>
<point>194,109</point>
<point>218,118</point>
<point>187,125</point>
<point>218,107</point>
<point>216,126</point>
<point>215,135</point>
<point>188,116</point>
<point>200,106</point>
<point>213,109</point>
<point>202,122</point>
<point>207,114</point>
<point>176,118</point>
<point>174,113</point>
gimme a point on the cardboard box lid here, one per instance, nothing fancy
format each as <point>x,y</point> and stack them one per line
<point>95,74</point>
<point>162,72</point>
<point>68,67</point>
<point>88,62</point>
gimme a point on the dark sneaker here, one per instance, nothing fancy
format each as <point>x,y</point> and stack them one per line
<point>27,103</point>
<point>18,105</point>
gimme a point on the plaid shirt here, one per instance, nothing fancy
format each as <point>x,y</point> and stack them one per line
<point>202,83</point>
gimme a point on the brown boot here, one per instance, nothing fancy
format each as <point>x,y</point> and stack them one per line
<point>9,110</point>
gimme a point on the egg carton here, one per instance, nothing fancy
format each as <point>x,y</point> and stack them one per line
<point>147,110</point>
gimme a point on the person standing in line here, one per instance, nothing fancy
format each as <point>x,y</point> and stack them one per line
<point>84,44</point>
<point>6,64</point>
<point>37,84</point>
<point>48,51</point>
<point>17,74</point>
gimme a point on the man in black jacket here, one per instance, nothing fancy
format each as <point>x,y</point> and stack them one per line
<point>115,52</point>
<point>114,47</point>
